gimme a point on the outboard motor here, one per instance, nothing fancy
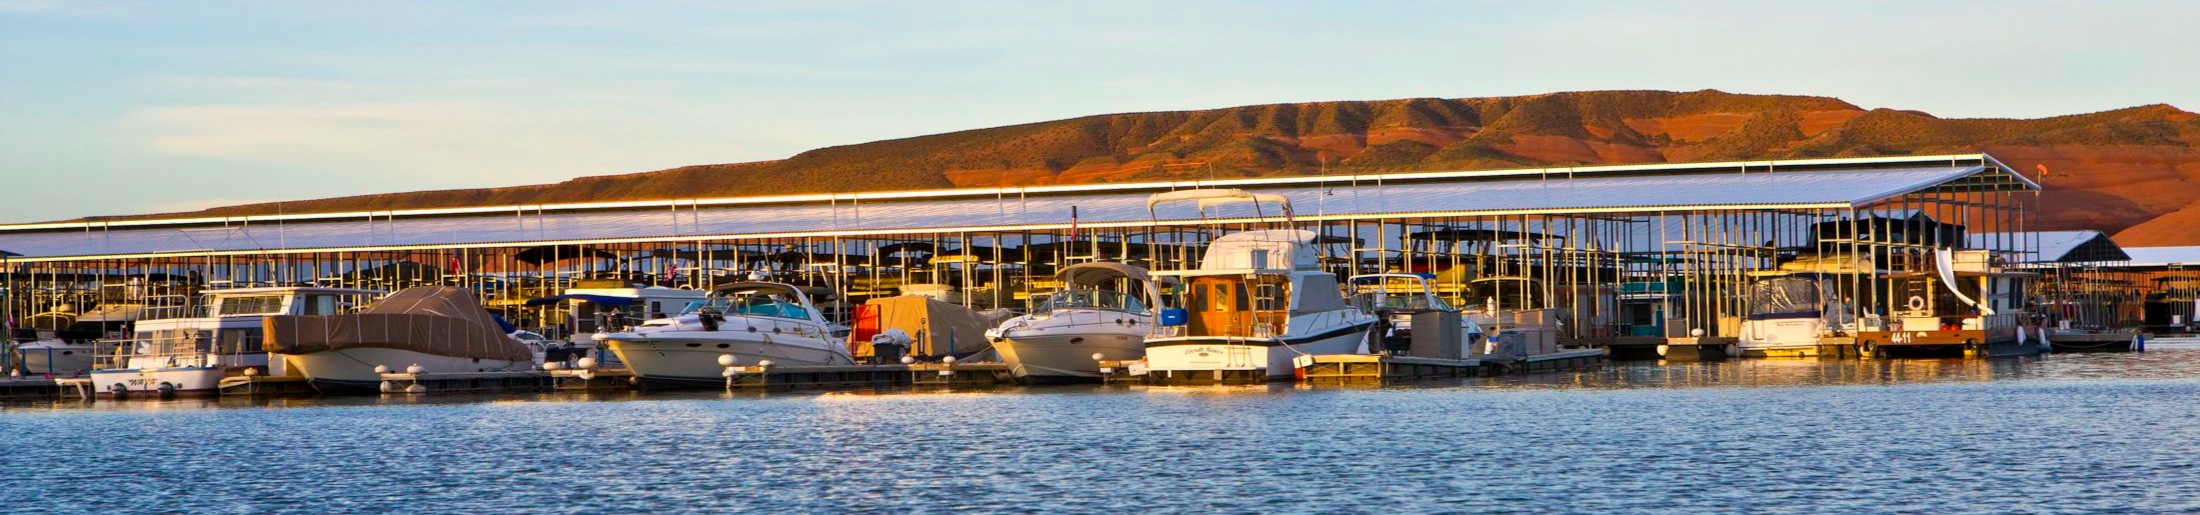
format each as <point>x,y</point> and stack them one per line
<point>889,346</point>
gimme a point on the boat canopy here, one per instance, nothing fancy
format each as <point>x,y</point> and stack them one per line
<point>439,320</point>
<point>1101,272</point>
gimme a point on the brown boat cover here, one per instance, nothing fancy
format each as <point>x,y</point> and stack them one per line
<point>440,320</point>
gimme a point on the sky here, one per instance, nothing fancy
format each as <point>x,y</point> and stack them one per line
<point>138,107</point>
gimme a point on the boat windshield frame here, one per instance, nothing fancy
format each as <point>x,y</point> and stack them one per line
<point>1094,300</point>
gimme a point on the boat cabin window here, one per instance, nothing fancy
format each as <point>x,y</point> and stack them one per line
<point>319,305</point>
<point>250,305</point>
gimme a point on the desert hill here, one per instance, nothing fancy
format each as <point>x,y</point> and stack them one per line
<point>2129,172</point>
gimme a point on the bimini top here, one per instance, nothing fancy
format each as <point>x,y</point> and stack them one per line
<point>1801,184</point>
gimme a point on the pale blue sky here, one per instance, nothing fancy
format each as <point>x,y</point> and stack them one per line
<point>129,107</point>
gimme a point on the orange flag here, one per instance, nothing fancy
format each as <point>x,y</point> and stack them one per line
<point>2043,170</point>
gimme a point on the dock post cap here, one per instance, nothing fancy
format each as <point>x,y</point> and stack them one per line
<point>727,360</point>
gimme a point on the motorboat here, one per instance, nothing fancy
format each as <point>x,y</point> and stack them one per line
<point>1102,313</point>
<point>599,307</point>
<point>1405,304</point>
<point>1258,300</point>
<point>425,329</point>
<point>68,350</point>
<point>745,323</point>
<point>1789,313</point>
<point>223,335</point>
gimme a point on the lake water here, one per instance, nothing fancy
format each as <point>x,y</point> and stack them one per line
<point>2075,434</point>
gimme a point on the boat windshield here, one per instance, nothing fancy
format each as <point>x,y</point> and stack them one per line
<point>1092,299</point>
<point>1398,301</point>
<point>750,305</point>
<point>1784,297</point>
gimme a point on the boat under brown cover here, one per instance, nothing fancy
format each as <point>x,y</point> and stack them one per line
<point>439,320</point>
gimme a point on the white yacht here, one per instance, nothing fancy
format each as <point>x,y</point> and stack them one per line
<point>440,329</point>
<point>1258,300</point>
<point>1396,299</point>
<point>595,308</point>
<point>67,351</point>
<point>751,322</point>
<point>1057,341</point>
<point>191,353</point>
<point>1788,314</point>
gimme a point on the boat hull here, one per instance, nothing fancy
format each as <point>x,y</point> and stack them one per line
<point>1189,357</point>
<point>166,381</point>
<point>63,360</point>
<point>1066,357</point>
<point>352,370</point>
<point>690,359</point>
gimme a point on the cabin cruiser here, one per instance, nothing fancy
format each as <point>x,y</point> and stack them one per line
<point>1059,340</point>
<point>1789,313</point>
<point>190,354</point>
<point>427,329</point>
<point>747,323</point>
<point>595,308</point>
<point>68,351</point>
<point>1397,299</point>
<point>1258,300</point>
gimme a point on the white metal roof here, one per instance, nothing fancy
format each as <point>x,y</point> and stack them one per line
<point>2163,256</point>
<point>2053,246</point>
<point>1756,185</point>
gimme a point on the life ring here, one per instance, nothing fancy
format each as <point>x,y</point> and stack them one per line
<point>1917,303</point>
<point>1870,349</point>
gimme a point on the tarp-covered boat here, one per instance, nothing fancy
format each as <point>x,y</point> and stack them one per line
<point>440,328</point>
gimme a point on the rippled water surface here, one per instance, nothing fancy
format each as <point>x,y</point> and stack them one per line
<point>2099,433</point>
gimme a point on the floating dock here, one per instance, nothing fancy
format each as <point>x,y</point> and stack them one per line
<point>959,375</point>
<point>1378,368</point>
<point>29,388</point>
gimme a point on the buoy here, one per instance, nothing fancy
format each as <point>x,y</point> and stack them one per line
<point>587,363</point>
<point>416,369</point>
<point>728,372</point>
<point>1697,332</point>
<point>765,363</point>
<point>389,387</point>
<point>119,391</point>
<point>381,369</point>
<point>416,388</point>
<point>905,360</point>
<point>726,360</point>
<point>1096,356</point>
<point>249,372</point>
<point>167,389</point>
<point>948,360</point>
<point>554,365</point>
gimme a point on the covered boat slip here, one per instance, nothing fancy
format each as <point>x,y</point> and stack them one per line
<point>1616,252</point>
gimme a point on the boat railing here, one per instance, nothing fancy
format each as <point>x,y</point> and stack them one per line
<point>194,310</point>
<point>176,351</point>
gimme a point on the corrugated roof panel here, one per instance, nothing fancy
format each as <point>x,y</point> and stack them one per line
<point>1554,194</point>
